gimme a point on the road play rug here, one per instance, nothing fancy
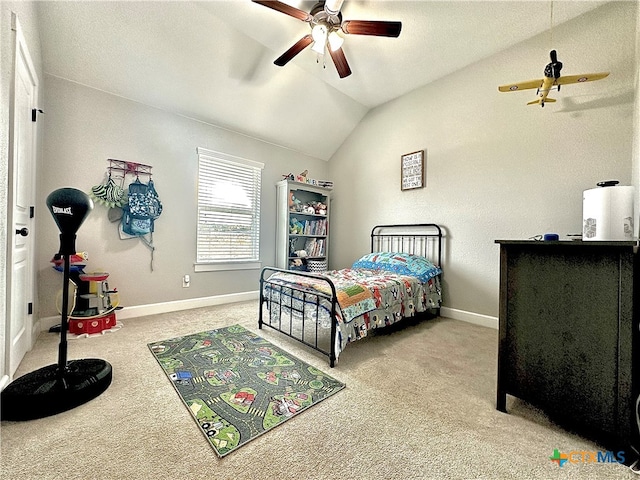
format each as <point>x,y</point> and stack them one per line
<point>237,385</point>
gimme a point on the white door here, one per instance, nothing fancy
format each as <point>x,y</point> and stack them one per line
<point>20,237</point>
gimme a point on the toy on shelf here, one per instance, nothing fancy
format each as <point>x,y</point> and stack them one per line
<point>296,227</point>
<point>552,80</point>
<point>298,264</point>
<point>303,178</point>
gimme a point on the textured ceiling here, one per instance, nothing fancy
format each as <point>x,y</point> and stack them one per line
<point>213,61</point>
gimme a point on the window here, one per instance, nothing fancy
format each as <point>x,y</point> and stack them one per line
<point>228,235</point>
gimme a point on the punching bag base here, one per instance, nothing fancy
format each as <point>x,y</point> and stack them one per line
<point>45,392</point>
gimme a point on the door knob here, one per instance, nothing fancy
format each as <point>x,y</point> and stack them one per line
<point>24,231</point>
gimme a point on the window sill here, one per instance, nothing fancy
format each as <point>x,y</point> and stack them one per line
<point>219,267</point>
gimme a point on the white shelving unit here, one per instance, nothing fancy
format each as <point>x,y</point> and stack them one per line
<point>311,232</point>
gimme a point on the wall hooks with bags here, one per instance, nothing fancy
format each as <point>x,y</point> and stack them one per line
<point>135,207</point>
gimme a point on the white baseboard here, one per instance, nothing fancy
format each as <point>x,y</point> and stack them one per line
<point>470,317</point>
<point>174,306</point>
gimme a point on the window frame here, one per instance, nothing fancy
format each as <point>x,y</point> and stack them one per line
<point>228,264</point>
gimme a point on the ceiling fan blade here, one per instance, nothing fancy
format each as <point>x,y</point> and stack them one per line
<point>372,27</point>
<point>300,45</point>
<point>284,8</point>
<point>340,62</point>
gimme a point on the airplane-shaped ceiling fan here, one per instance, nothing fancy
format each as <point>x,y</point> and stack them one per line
<point>325,21</point>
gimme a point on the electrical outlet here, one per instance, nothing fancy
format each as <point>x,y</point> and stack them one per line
<point>186,281</point>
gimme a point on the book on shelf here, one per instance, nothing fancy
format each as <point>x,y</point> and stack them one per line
<point>315,227</point>
<point>314,247</point>
<point>309,227</point>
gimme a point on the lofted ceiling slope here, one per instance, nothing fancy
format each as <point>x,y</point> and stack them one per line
<point>213,60</point>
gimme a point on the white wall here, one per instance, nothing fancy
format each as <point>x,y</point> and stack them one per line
<point>496,168</point>
<point>83,128</point>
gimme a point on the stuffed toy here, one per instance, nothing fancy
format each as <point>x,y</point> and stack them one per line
<point>295,226</point>
<point>297,264</point>
<point>294,203</point>
<point>321,208</point>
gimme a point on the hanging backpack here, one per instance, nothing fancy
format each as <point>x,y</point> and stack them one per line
<point>142,209</point>
<point>140,213</point>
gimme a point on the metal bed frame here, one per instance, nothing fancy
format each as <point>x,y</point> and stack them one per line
<point>424,239</point>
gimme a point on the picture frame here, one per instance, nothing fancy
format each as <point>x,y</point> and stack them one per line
<point>412,171</point>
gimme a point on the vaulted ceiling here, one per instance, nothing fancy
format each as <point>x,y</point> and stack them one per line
<point>213,60</point>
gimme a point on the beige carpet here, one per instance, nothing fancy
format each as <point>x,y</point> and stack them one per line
<point>419,404</point>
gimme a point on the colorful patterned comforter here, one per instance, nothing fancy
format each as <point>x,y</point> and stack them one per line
<point>367,299</point>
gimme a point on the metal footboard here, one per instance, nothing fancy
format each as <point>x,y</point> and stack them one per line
<point>306,298</point>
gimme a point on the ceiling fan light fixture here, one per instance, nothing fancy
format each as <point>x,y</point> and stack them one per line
<point>335,41</point>
<point>319,34</point>
<point>318,47</point>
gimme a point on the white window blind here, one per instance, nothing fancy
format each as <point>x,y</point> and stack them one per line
<point>228,208</point>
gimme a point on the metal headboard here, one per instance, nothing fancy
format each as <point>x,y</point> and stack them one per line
<point>424,239</point>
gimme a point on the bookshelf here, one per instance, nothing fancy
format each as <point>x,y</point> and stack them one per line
<point>302,224</point>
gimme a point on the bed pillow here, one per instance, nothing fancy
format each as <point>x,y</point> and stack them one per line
<point>401,263</point>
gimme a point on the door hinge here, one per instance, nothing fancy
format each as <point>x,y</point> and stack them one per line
<point>34,112</point>
<point>30,308</point>
<point>32,211</point>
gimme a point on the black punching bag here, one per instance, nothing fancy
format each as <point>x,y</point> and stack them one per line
<point>65,385</point>
<point>69,208</point>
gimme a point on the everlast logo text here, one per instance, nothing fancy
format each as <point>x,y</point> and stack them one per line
<point>65,210</point>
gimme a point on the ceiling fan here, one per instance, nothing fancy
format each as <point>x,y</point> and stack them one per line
<point>326,24</point>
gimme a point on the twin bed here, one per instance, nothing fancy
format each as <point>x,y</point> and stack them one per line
<point>400,278</point>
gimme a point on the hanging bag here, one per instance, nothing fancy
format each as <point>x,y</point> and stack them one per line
<point>143,208</point>
<point>140,213</point>
<point>109,194</point>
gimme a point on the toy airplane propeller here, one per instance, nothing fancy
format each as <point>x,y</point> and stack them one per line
<point>552,79</point>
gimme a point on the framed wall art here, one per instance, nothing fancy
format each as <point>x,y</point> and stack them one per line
<point>412,170</point>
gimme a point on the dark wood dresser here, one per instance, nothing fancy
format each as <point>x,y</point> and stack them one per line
<point>568,339</point>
